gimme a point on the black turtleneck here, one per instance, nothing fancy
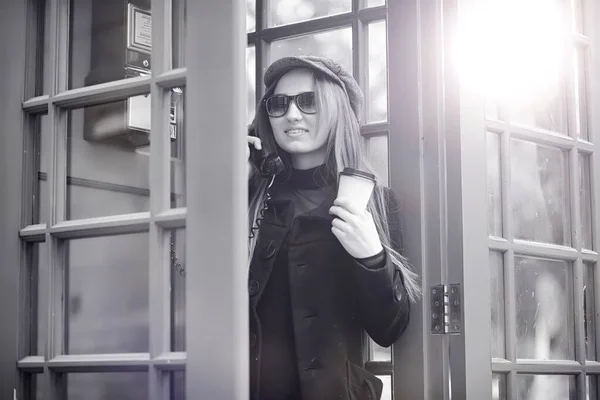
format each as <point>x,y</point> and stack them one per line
<point>306,189</point>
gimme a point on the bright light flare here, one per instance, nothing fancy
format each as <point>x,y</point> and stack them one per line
<point>512,50</point>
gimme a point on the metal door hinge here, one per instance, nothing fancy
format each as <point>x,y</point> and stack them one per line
<point>446,309</point>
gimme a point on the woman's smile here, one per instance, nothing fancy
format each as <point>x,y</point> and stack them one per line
<point>296,131</point>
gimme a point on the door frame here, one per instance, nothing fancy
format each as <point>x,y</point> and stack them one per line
<point>13,51</point>
<point>470,353</point>
<point>416,76</point>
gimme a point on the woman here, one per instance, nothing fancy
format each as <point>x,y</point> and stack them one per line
<point>322,271</point>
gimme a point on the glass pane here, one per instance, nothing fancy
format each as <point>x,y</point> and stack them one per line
<point>375,3</point>
<point>109,41</point>
<point>107,160</point>
<point>179,21</point>
<point>548,112</point>
<point>251,75</point>
<point>592,387</point>
<point>38,254</point>
<point>496,265</point>
<point>42,85</point>
<point>42,153</point>
<point>539,182</point>
<point>178,385</point>
<point>585,201</point>
<point>33,387</point>
<point>545,329</point>
<point>178,135</point>
<point>108,385</point>
<point>579,86</point>
<point>494,185</point>
<point>491,109</point>
<point>379,353</point>
<point>283,12</point>
<point>547,387</point>
<point>499,387</point>
<point>377,148</point>
<point>251,15</point>
<point>178,265</point>
<point>377,75</point>
<point>577,13</point>
<point>386,394</point>
<point>336,45</point>
<point>589,311</point>
<point>108,295</point>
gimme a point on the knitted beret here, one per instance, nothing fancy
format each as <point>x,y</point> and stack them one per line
<point>325,66</point>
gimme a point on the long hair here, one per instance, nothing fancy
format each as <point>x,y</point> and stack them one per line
<point>344,149</point>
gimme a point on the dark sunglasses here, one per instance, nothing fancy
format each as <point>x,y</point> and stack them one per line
<point>279,104</point>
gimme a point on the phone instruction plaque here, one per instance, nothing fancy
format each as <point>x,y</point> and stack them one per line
<point>121,45</point>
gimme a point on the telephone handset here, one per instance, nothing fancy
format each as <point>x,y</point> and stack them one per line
<point>268,164</point>
<point>266,160</point>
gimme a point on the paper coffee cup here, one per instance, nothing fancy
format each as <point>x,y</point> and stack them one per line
<point>357,186</point>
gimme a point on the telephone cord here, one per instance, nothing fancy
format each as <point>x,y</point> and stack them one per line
<point>262,211</point>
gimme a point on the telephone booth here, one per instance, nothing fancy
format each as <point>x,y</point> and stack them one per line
<point>122,147</point>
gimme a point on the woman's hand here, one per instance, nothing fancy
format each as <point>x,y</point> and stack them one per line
<point>355,229</point>
<point>252,141</point>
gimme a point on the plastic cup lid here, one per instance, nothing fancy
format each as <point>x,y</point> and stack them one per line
<point>358,173</point>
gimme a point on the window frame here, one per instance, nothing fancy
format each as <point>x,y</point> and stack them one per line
<point>158,221</point>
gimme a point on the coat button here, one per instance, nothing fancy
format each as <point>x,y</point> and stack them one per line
<point>314,363</point>
<point>253,287</point>
<point>252,340</point>
<point>269,250</point>
<point>309,313</point>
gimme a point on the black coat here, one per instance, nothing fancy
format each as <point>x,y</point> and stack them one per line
<point>334,299</point>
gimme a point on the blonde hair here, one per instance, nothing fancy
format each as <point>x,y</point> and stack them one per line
<point>344,149</point>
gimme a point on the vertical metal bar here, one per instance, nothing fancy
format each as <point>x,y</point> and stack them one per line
<point>61,75</point>
<point>217,203</point>
<point>578,282</point>
<point>29,211</point>
<point>575,226</point>
<point>263,15</point>
<point>591,15</point>
<point>27,323</point>
<point>58,61</point>
<point>441,169</point>
<point>160,155</point>
<point>465,141</point>
<point>32,143</point>
<point>360,58</point>
<point>14,46</point>
<point>431,82</point>
<point>58,250</point>
<point>33,34</point>
<point>411,379</point>
<point>178,14</point>
<point>261,48</point>
<point>471,350</point>
<point>29,277</point>
<point>510,304</point>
